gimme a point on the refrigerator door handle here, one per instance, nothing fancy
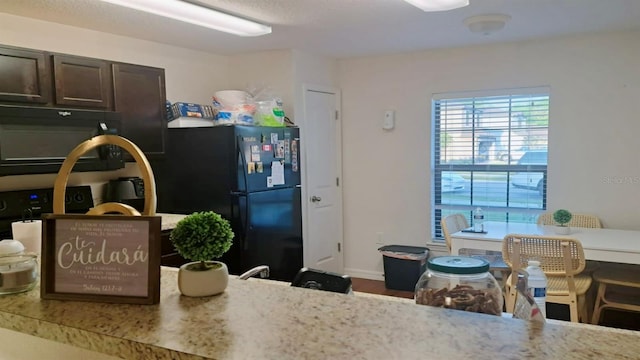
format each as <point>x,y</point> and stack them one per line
<point>243,162</point>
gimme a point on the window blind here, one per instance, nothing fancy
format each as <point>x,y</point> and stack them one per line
<point>490,151</point>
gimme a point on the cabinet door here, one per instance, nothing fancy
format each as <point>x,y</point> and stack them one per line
<point>24,76</point>
<point>82,82</point>
<point>139,95</point>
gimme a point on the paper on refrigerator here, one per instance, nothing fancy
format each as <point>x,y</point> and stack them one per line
<point>277,174</point>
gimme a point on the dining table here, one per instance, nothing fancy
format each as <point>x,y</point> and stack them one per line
<point>601,244</point>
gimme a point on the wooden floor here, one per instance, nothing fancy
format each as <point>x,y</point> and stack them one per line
<point>611,318</point>
<point>377,287</point>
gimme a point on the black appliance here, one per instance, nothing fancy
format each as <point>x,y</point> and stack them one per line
<point>126,190</point>
<point>18,204</point>
<point>37,140</point>
<point>251,176</point>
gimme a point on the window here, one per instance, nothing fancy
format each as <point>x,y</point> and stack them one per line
<point>490,151</point>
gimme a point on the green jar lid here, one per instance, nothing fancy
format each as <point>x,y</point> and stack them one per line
<point>458,265</point>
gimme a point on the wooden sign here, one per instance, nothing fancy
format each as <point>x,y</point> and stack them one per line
<point>102,258</point>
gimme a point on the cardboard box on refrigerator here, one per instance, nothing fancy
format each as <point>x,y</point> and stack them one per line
<point>181,109</point>
<point>188,110</point>
<point>183,122</point>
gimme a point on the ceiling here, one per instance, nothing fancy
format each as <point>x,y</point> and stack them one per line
<point>343,28</point>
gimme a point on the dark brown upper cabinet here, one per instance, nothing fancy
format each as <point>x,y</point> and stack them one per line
<point>49,79</point>
<point>82,82</point>
<point>139,95</point>
<point>24,76</point>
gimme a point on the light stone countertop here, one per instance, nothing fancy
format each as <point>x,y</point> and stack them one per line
<point>262,320</point>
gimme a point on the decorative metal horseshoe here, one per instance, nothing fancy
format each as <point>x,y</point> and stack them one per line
<point>60,185</point>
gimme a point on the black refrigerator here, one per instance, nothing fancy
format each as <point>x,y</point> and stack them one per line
<point>251,176</point>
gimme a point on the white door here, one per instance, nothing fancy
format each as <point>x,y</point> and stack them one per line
<point>321,136</point>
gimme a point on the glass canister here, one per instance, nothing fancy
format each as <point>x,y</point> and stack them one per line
<point>18,273</point>
<point>460,282</point>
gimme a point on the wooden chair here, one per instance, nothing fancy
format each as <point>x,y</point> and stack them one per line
<point>618,288</point>
<point>451,224</point>
<point>455,222</point>
<point>561,259</point>
<point>577,220</point>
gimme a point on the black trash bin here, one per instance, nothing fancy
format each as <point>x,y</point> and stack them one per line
<point>403,265</point>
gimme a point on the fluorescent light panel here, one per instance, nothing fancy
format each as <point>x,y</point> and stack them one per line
<point>438,5</point>
<point>193,14</point>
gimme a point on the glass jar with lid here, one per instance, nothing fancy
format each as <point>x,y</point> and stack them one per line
<point>18,271</point>
<point>459,282</point>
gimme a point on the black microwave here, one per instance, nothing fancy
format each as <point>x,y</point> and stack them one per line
<point>36,140</point>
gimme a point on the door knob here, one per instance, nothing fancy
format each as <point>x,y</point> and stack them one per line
<point>316,198</point>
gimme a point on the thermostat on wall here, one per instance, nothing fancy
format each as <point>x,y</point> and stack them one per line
<point>389,121</point>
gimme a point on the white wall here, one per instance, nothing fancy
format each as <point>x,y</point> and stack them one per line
<point>268,73</point>
<point>282,73</point>
<point>311,69</point>
<point>593,146</point>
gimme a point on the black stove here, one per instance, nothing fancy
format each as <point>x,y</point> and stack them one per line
<point>20,204</point>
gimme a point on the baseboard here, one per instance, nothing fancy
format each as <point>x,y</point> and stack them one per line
<point>364,274</point>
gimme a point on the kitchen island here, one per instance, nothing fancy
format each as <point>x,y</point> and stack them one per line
<point>261,320</point>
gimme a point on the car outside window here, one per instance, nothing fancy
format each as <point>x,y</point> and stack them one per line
<point>533,158</point>
<point>530,180</point>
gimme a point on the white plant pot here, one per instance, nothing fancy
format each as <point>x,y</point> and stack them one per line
<point>563,230</point>
<point>202,283</point>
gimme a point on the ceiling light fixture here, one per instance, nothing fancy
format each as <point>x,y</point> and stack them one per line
<point>198,15</point>
<point>438,5</point>
<point>486,24</point>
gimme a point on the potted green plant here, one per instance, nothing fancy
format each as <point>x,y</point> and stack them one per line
<point>202,237</point>
<point>562,218</point>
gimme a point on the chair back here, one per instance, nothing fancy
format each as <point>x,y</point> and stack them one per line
<point>557,255</point>
<point>577,220</point>
<point>451,224</point>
